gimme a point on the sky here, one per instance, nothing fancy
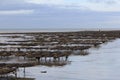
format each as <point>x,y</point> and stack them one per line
<point>37,14</point>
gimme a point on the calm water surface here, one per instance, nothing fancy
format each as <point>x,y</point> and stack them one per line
<point>100,64</point>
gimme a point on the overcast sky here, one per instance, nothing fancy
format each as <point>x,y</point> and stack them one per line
<point>59,14</point>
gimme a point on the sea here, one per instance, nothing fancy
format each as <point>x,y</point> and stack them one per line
<point>102,63</point>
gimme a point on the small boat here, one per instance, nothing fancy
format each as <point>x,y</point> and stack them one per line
<point>43,71</point>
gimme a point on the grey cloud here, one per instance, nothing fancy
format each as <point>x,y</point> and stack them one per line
<point>50,16</point>
<point>56,18</point>
<point>8,2</point>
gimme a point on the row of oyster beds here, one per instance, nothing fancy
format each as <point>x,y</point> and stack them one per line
<point>52,45</point>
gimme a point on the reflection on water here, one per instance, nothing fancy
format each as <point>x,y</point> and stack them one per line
<point>81,53</point>
<point>101,64</point>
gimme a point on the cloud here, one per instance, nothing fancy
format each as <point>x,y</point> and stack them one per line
<point>94,5</point>
<point>104,1</point>
<point>49,2</point>
<point>13,12</point>
<point>3,2</point>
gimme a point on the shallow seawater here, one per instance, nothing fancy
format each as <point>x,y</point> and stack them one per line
<point>100,64</point>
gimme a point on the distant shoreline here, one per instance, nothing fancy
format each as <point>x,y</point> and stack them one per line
<point>53,30</point>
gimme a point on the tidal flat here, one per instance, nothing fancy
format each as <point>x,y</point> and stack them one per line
<point>82,55</point>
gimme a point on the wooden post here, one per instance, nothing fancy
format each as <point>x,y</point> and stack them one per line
<point>24,72</point>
